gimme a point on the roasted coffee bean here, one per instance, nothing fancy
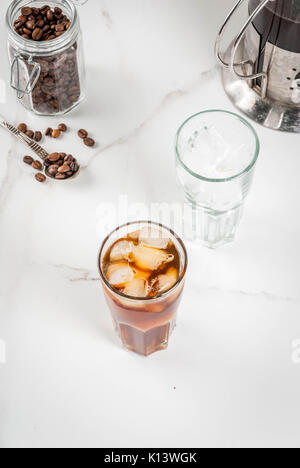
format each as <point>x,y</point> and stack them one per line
<point>22,19</point>
<point>50,16</point>
<point>26,31</point>
<point>40,177</point>
<point>52,170</point>
<point>64,168</point>
<point>26,11</point>
<point>82,133</point>
<point>53,157</point>
<point>36,11</point>
<point>37,136</point>
<point>37,165</point>
<point>56,133</point>
<point>47,163</point>
<point>74,167</point>
<point>37,34</point>
<point>60,176</point>
<point>89,142</point>
<point>30,24</point>
<point>62,127</point>
<point>22,127</point>
<point>28,160</point>
<point>49,131</point>
<point>69,159</point>
<point>59,28</point>
<point>30,133</point>
<point>18,26</point>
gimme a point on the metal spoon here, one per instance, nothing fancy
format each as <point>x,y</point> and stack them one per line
<point>33,145</point>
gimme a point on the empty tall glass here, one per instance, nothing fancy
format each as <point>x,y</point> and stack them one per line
<point>216,153</point>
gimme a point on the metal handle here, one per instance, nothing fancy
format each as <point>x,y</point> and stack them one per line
<point>33,78</point>
<point>221,33</point>
<point>232,65</point>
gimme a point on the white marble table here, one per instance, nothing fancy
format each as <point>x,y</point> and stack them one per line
<point>230,376</point>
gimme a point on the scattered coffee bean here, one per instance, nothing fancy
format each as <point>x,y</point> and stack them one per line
<point>62,127</point>
<point>22,127</point>
<point>56,133</point>
<point>82,133</point>
<point>49,131</point>
<point>28,160</point>
<point>37,165</point>
<point>37,136</point>
<point>89,142</point>
<point>30,133</point>
<point>40,177</point>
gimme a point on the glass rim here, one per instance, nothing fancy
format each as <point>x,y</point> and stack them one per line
<point>143,299</point>
<point>38,47</point>
<point>232,114</point>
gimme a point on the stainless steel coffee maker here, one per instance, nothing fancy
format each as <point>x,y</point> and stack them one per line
<point>261,72</point>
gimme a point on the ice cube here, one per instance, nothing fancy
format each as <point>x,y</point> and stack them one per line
<point>121,251</point>
<point>166,281</point>
<point>134,235</point>
<point>138,287</point>
<point>148,258</point>
<point>141,273</point>
<point>153,237</point>
<point>119,274</point>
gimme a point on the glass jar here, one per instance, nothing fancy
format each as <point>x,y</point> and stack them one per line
<point>48,76</point>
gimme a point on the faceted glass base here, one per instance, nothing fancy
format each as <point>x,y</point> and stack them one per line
<point>214,229</point>
<point>145,342</point>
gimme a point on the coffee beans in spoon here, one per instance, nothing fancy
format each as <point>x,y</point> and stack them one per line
<point>61,166</point>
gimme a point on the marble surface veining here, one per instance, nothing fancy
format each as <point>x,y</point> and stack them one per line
<point>231,376</point>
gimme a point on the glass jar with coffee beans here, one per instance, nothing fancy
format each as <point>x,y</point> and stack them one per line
<point>46,55</point>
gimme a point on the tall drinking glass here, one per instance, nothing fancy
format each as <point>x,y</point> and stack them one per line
<point>216,153</point>
<point>142,269</point>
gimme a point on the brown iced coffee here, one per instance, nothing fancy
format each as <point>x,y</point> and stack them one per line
<point>142,267</point>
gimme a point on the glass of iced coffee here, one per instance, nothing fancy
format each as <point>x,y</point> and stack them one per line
<point>142,268</point>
